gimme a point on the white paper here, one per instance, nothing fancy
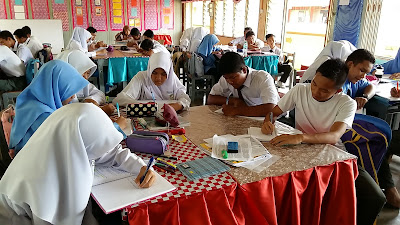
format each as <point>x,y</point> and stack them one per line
<point>344,2</point>
<point>280,128</point>
<point>106,174</point>
<point>19,9</point>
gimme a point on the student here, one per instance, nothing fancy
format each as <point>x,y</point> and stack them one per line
<point>334,49</point>
<point>55,85</point>
<point>31,41</point>
<point>23,52</point>
<point>207,51</point>
<point>124,34</point>
<point>393,67</point>
<point>136,36</point>
<point>323,113</point>
<point>159,80</point>
<point>51,179</point>
<point>285,68</point>
<point>147,47</point>
<point>240,39</point>
<point>253,91</point>
<point>85,66</point>
<point>79,41</point>
<point>253,43</point>
<point>93,44</point>
<point>12,71</point>
<point>148,34</point>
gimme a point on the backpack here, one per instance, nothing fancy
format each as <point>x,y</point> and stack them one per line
<point>368,143</point>
<point>195,65</point>
<point>45,54</point>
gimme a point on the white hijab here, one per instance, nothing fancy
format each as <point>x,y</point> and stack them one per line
<point>169,89</point>
<point>198,34</point>
<point>81,36</point>
<point>52,176</point>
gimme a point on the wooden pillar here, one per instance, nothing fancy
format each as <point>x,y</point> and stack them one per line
<point>262,25</point>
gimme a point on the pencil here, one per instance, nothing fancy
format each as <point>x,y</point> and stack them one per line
<point>397,86</point>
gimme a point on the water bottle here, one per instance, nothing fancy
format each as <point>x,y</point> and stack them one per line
<point>245,49</point>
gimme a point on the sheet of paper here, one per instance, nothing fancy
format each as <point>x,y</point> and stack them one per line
<point>106,174</point>
<point>118,194</point>
<point>280,128</point>
<point>344,2</point>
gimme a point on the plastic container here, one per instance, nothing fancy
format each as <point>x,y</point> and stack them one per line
<point>245,49</point>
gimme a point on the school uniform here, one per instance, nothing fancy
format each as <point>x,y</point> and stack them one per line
<point>355,90</point>
<point>392,66</point>
<point>334,49</point>
<point>141,87</point>
<point>78,41</point>
<point>205,50</point>
<point>34,45</point>
<point>157,47</point>
<point>12,71</point>
<point>55,82</point>
<point>285,68</point>
<point>257,41</point>
<point>313,117</point>
<point>22,52</point>
<point>257,89</point>
<point>50,181</point>
<point>238,40</point>
<point>192,37</point>
<point>83,63</point>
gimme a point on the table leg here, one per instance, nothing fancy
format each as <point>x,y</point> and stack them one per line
<point>100,66</point>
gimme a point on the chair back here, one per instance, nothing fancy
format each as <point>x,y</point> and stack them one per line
<point>32,68</point>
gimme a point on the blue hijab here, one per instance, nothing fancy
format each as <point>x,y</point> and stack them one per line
<point>207,45</point>
<point>55,82</point>
<point>392,66</point>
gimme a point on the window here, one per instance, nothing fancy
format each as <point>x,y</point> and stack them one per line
<point>388,38</point>
<point>253,10</point>
<point>197,14</point>
<point>301,15</point>
<point>275,19</point>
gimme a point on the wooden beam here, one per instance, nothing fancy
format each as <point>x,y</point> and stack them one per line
<point>262,25</point>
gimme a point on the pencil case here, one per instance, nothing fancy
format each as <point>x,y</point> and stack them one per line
<point>141,109</point>
<point>147,142</point>
<point>168,116</point>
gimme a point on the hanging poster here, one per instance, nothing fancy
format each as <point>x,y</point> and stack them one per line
<point>150,15</point>
<point>17,9</point>
<point>99,17</point>
<point>117,20</point>
<point>134,14</point>
<point>60,12</point>
<point>167,14</point>
<point>79,14</point>
<point>40,9</point>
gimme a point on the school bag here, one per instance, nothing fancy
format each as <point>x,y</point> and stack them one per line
<point>368,142</point>
<point>195,65</point>
<point>45,54</point>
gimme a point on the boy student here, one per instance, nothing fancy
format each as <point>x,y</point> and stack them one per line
<point>146,47</point>
<point>93,44</point>
<point>323,113</point>
<point>240,39</point>
<point>253,43</point>
<point>12,71</point>
<point>23,52</point>
<point>135,38</point>
<point>30,41</point>
<point>149,34</point>
<point>242,90</point>
<point>285,68</point>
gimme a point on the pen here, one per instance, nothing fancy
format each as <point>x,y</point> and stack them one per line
<point>118,110</point>
<point>227,99</point>
<point>168,157</point>
<point>271,116</point>
<point>397,86</point>
<point>152,95</point>
<point>165,162</point>
<point>147,169</point>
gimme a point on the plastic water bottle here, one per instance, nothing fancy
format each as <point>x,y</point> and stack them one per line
<point>245,49</point>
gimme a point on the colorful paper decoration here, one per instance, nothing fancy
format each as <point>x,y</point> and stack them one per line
<point>134,14</point>
<point>60,11</point>
<point>117,15</point>
<point>40,9</point>
<point>167,14</point>
<point>79,14</point>
<point>150,15</point>
<point>99,17</point>
<point>17,9</point>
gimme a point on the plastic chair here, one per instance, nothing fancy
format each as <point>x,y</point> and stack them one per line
<point>379,123</point>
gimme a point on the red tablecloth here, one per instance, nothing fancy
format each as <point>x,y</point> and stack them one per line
<point>167,38</point>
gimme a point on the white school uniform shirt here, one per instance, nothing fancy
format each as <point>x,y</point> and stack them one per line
<point>157,47</point>
<point>81,62</point>
<point>22,52</point>
<point>259,88</point>
<point>34,45</point>
<point>141,87</point>
<point>10,63</point>
<point>314,117</point>
<point>275,50</point>
<point>58,191</point>
<point>258,42</point>
<point>238,40</point>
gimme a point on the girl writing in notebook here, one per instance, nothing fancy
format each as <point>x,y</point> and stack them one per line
<point>158,82</point>
<point>67,145</point>
<point>79,41</point>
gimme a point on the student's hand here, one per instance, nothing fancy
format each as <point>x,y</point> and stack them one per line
<point>229,110</point>
<point>177,106</point>
<point>361,101</point>
<point>236,102</point>
<point>108,109</point>
<point>287,139</point>
<point>11,153</point>
<point>121,122</point>
<point>395,76</point>
<point>230,44</point>
<point>395,93</point>
<point>102,44</point>
<point>267,127</point>
<point>148,180</point>
<point>88,100</point>
<point>148,53</point>
<point>131,43</point>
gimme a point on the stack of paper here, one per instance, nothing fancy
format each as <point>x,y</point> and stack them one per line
<point>280,128</point>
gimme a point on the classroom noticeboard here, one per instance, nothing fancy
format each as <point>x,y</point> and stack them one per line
<point>17,9</point>
<point>167,14</point>
<point>60,11</point>
<point>117,19</point>
<point>134,14</point>
<point>150,15</point>
<point>98,14</point>
<point>79,14</point>
<point>40,9</point>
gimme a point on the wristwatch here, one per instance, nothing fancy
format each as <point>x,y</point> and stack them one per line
<point>365,96</point>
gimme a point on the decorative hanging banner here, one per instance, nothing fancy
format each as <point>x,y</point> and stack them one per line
<point>79,14</point>
<point>99,18</point>
<point>134,14</point>
<point>150,15</point>
<point>60,12</point>
<point>117,20</point>
<point>167,14</point>
<point>3,12</point>
<point>18,9</point>
<point>40,9</point>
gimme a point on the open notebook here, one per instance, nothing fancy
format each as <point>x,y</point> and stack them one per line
<point>115,189</point>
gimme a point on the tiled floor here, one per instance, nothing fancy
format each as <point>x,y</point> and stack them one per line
<point>390,216</point>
